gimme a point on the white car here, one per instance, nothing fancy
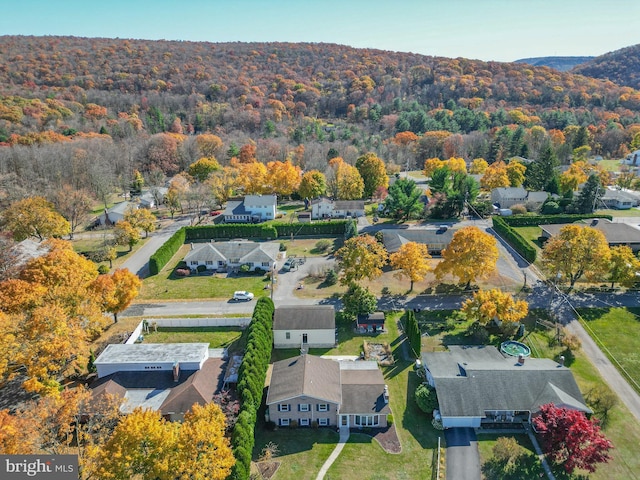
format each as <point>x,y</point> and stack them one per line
<point>242,295</point>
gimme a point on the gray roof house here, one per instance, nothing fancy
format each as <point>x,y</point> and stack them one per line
<point>615,233</point>
<point>324,207</point>
<point>506,197</point>
<point>153,197</point>
<point>304,326</point>
<point>229,256</point>
<point>169,378</point>
<point>435,238</point>
<point>478,387</point>
<point>620,199</point>
<point>116,213</point>
<point>312,390</point>
<point>250,209</point>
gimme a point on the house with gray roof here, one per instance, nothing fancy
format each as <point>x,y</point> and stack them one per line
<point>230,256</point>
<point>304,326</point>
<point>478,386</point>
<point>116,214</point>
<point>169,378</point>
<point>251,209</point>
<point>616,233</point>
<point>619,199</point>
<point>506,197</point>
<point>323,207</point>
<point>310,390</point>
<point>435,238</point>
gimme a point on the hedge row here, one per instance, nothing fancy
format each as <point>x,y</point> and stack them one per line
<point>251,378</point>
<point>517,241</point>
<point>162,256</point>
<point>534,220</point>
<point>412,330</point>
<point>331,227</point>
<point>230,230</point>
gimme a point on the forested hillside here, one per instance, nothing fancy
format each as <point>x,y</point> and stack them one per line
<point>563,64</point>
<point>88,112</point>
<point>621,67</point>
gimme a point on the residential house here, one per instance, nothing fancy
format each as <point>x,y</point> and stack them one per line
<point>478,387</point>
<point>251,209</point>
<point>304,326</point>
<point>615,233</point>
<point>371,323</point>
<point>435,238</point>
<point>169,378</point>
<point>323,208</point>
<point>310,390</point>
<point>115,214</point>
<point>506,197</point>
<point>153,197</point>
<point>27,250</point>
<point>619,199</point>
<point>230,256</point>
<point>632,159</point>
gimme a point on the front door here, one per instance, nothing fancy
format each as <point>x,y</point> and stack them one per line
<point>344,420</point>
<point>304,338</point>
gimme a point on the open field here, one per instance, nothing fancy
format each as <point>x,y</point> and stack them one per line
<point>610,165</point>
<point>216,337</point>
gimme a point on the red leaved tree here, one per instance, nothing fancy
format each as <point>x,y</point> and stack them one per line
<point>570,439</point>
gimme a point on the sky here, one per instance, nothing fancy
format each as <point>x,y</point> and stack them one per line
<point>501,30</point>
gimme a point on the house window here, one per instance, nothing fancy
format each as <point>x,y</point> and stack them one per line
<point>323,422</point>
<point>220,263</point>
<point>366,420</point>
<point>323,407</point>
<point>194,262</point>
<point>284,407</point>
<point>209,262</point>
<point>284,422</point>
<point>287,335</point>
<point>304,422</point>
<point>304,407</point>
<point>266,264</point>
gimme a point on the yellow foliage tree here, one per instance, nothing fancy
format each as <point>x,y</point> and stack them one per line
<point>126,234</point>
<point>116,291</point>
<point>457,165</point>
<point>203,168</point>
<point>223,184</point>
<point>312,185</point>
<point>349,183</point>
<point>478,166</point>
<point>361,257</point>
<point>624,266</point>
<point>487,305</point>
<point>34,217</point>
<point>253,177</point>
<point>412,261</point>
<point>573,176</point>
<point>208,144</point>
<point>515,173</point>
<point>575,252</point>
<point>283,177</point>
<point>431,165</point>
<point>495,176</point>
<point>373,173</point>
<point>143,219</point>
<point>472,254</point>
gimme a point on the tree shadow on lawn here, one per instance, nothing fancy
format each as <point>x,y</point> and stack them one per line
<point>292,440</point>
<point>414,420</point>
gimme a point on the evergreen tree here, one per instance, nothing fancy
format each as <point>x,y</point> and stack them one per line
<point>540,173</point>
<point>403,201</point>
<point>588,198</point>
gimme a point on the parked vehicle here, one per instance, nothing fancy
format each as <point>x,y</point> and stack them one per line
<point>242,295</point>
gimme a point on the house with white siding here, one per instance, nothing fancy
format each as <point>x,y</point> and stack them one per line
<point>230,256</point>
<point>304,326</point>
<point>251,209</point>
<point>325,208</point>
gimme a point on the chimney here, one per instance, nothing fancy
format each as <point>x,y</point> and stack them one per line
<point>385,394</point>
<point>561,360</point>
<point>191,245</point>
<point>520,359</point>
<point>176,371</point>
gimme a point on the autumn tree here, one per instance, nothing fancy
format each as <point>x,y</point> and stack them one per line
<point>412,261</point>
<point>312,185</point>
<point>172,200</point>
<point>456,164</point>
<point>373,173</point>
<point>137,182</point>
<point>116,291</point>
<point>223,184</point>
<point>209,145</point>
<point>495,176</point>
<point>494,304</point>
<point>253,177</point>
<point>34,217</point>
<point>126,234</point>
<point>624,266</point>
<point>570,439</point>
<point>74,205</point>
<point>283,178</point>
<point>349,183</point>
<point>472,254</point>
<point>572,177</point>
<point>431,165</point>
<point>516,173</point>
<point>141,218</point>
<point>203,168</point>
<point>478,166</point>
<point>361,257</point>
<point>577,251</point>
<point>403,201</point>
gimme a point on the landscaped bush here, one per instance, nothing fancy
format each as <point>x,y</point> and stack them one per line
<point>225,230</point>
<point>162,256</point>
<point>331,278</point>
<point>521,245</point>
<point>323,245</point>
<point>201,268</point>
<point>102,269</point>
<point>183,272</point>
<point>244,268</point>
<point>518,209</point>
<point>426,398</point>
<point>534,220</point>
<point>331,227</point>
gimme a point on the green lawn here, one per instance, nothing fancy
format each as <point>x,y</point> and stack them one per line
<point>216,337</point>
<point>167,286</point>
<point>531,234</point>
<point>610,165</point>
<point>526,466</point>
<point>632,212</point>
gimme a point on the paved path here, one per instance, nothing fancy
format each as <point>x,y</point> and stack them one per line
<point>463,457</point>
<point>344,437</point>
<point>541,456</point>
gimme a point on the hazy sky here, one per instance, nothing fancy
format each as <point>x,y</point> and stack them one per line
<point>501,30</point>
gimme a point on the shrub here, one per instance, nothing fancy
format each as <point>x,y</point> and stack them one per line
<point>162,256</point>
<point>244,268</point>
<point>183,272</point>
<point>323,245</point>
<point>259,271</point>
<point>426,398</point>
<point>293,424</point>
<point>518,209</point>
<point>282,247</point>
<point>331,278</point>
<point>202,268</point>
<point>102,269</point>
<point>389,419</point>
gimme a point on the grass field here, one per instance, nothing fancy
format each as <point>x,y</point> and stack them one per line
<point>632,212</point>
<point>216,337</point>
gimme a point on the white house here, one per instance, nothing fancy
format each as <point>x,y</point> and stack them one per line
<point>153,197</point>
<point>325,208</point>
<point>116,213</point>
<point>632,159</point>
<point>230,256</point>
<point>252,208</point>
<point>619,199</point>
<point>506,197</point>
<point>307,326</point>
